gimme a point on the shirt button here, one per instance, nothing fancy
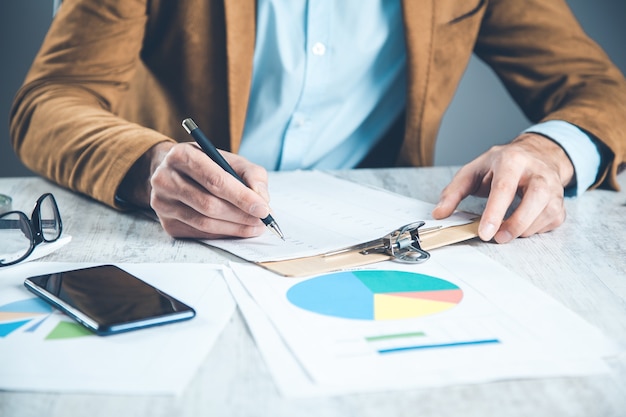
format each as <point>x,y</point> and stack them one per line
<point>319,49</point>
<point>299,121</point>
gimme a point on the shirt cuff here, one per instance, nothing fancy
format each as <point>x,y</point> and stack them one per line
<point>579,147</point>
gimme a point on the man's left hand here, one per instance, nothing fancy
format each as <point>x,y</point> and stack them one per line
<point>531,166</point>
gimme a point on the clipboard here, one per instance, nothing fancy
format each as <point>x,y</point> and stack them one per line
<point>407,244</point>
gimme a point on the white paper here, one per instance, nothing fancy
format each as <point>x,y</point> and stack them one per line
<point>41,250</point>
<point>503,328</point>
<point>158,360</point>
<point>319,213</point>
<point>289,375</point>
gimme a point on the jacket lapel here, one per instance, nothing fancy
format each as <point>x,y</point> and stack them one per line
<point>418,23</point>
<point>240,35</point>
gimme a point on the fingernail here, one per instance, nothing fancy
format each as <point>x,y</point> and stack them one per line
<point>504,237</point>
<point>435,213</point>
<point>438,207</point>
<point>487,231</point>
<point>259,210</point>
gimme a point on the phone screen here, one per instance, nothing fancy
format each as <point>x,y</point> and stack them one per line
<point>108,299</point>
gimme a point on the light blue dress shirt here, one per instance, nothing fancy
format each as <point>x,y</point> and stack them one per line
<point>329,81</point>
<point>581,149</point>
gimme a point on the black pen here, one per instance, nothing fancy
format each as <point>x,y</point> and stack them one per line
<point>207,146</point>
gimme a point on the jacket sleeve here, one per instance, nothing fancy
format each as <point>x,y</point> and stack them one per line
<point>64,122</point>
<point>554,71</point>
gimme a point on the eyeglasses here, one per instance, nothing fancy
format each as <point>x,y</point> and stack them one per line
<point>19,235</point>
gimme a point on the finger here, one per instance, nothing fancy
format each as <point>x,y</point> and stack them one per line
<point>253,175</point>
<point>530,210</point>
<point>171,191</point>
<point>462,185</point>
<point>552,224</point>
<point>178,197</point>
<point>204,217</point>
<point>198,166</point>
<point>504,186</point>
<point>550,217</point>
<point>218,229</point>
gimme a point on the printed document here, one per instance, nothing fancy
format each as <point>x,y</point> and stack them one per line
<point>320,213</point>
<point>457,318</point>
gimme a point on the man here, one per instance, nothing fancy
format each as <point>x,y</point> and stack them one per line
<point>312,84</point>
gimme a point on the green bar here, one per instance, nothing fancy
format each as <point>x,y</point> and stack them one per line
<point>394,336</point>
<point>67,330</point>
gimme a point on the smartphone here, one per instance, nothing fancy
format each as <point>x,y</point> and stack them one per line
<point>108,300</point>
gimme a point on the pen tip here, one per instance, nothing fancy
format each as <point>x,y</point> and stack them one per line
<point>274,228</point>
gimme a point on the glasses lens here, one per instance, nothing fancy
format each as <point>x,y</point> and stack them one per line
<point>50,219</point>
<point>15,237</point>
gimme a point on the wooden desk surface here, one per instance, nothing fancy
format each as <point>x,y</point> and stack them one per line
<point>582,264</point>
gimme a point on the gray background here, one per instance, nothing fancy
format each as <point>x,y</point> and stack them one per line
<point>481,113</point>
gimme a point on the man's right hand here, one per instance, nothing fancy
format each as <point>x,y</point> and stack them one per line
<point>195,198</point>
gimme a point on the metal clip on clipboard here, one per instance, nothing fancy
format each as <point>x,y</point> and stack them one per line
<point>407,244</point>
<point>402,244</point>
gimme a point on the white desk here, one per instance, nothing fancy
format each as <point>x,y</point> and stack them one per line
<point>582,264</point>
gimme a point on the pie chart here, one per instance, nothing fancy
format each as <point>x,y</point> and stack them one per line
<point>19,313</point>
<point>375,295</point>
<point>28,315</point>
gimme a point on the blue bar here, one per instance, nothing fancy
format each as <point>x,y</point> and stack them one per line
<point>443,345</point>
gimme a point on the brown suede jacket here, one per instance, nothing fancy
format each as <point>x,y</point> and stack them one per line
<point>115,77</point>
